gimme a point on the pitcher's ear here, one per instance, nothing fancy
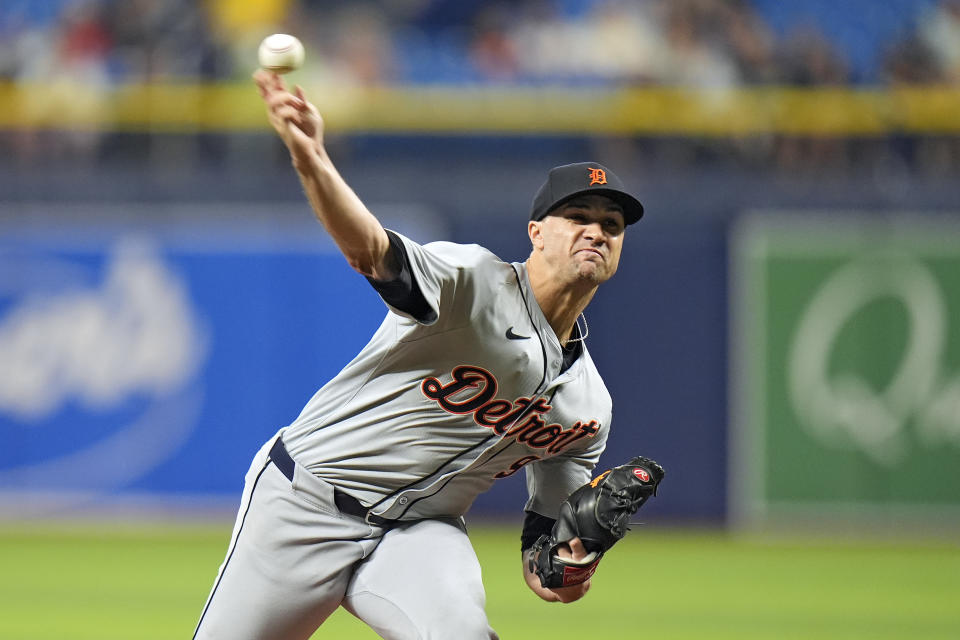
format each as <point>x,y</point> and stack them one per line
<point>535,231</point>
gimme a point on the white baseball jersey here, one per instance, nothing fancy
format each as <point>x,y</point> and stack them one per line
<point>433,410</point>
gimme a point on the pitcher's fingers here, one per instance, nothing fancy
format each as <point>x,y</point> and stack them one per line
<point>278,99</point>
<point>262,79</point>
<point>304,105</point>
<point>289,113</point>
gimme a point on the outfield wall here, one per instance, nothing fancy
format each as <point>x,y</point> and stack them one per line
<point>155,330</point>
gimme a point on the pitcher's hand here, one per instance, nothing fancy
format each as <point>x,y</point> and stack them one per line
<point>293,117</point>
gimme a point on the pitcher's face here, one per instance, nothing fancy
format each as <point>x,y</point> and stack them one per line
<point>582,239</point>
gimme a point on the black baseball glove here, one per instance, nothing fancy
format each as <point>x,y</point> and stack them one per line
<point>598,514</point>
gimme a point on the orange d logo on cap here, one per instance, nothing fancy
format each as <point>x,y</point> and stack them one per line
<point>580,178</point>
<point>597,176</point>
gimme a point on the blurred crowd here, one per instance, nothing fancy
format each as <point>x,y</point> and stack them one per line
<point>686,43</point>
<point>712,43</point>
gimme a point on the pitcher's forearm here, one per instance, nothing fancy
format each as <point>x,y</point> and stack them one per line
<point>356,231</point>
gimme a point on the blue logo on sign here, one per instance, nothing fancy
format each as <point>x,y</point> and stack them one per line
<point>98,350</point>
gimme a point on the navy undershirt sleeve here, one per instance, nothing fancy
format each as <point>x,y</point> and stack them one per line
<point>403,292</point>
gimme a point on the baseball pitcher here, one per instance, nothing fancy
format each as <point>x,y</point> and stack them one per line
<point>479,370</point>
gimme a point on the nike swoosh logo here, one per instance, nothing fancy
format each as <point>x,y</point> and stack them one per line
<point>512,336</point>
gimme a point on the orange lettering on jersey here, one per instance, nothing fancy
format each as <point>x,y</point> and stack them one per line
<point>473,389</point>
<point>470,389</point>
<point>577,431</point>
<point>597,176</point>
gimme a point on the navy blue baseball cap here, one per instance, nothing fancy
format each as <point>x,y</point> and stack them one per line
<point>571,180</point>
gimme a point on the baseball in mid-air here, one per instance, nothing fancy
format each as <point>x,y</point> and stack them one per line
<point>280,53</point>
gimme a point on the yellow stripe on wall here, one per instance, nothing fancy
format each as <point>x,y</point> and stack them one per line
<point>448,110</point>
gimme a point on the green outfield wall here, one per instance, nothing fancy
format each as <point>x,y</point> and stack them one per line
<point>846,368</point>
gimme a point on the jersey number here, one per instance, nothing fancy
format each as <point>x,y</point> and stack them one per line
<point>516,466</point>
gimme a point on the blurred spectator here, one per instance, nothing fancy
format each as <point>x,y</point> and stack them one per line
<point>613,41</point>
<point>549,47</point>
<point>492,53</point>
<point>911,62</point>
<point>929,56</point>
<point>67,59</point>
<point>633,47</point>
<point>939,31</point>
<point>84,38</point>
<point>165,39</point>
<point>696,56</point>
<point>751,42</point>
<point>807,58</point>
<point>363,45</point>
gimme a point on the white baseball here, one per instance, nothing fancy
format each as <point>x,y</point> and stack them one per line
<point>280,53</point>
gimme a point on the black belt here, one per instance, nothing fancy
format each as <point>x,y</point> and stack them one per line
<point>344,501</point>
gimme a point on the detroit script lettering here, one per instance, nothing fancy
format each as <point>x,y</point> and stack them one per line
<point>473,390</point>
